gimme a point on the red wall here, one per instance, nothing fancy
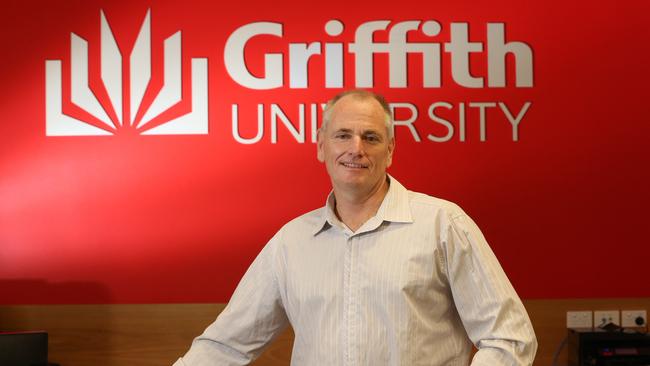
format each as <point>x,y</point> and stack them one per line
<point>131,218</point>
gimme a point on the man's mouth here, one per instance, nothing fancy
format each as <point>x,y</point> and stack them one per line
<point>354,165</point>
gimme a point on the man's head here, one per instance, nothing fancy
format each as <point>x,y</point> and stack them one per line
<point>360,94</point>
<point>356,141</point>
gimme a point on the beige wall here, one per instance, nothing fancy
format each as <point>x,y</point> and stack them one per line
<point>154,335</point>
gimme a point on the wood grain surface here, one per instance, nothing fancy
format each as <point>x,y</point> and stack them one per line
<point>157,334</point>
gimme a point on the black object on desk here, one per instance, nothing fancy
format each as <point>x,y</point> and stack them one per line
<point>602,348</point>
<point>23,348</point>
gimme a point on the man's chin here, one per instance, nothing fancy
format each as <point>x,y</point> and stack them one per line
<point>360,182</point>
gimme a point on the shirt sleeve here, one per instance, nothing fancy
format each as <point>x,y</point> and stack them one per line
<point>493,316</point>
<point>253,317</point>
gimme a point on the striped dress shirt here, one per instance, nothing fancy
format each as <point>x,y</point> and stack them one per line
<point>417,284</point>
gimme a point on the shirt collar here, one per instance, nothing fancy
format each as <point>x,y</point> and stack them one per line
<point>394,208</point>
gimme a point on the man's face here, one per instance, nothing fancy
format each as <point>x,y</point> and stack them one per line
<point>355,146</point>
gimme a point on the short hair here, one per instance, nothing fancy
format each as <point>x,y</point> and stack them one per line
<point>361,94</point>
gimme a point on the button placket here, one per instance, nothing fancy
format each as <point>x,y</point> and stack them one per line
<point>352,301</point>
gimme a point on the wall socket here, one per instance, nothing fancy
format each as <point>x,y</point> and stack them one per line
<point>603,317</point>
<point>579,319</point>
<point>634,319</point>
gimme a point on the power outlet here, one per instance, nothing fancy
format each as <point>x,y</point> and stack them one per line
<point>603,317</point>
<point>579,319</point>
<point>634,319</point>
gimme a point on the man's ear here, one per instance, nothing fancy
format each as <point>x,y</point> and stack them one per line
<point>319,146</point>
<point>391,149</point>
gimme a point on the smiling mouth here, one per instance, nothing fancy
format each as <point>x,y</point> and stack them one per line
<point>354,165</point>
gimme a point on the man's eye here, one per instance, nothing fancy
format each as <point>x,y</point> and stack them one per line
<point>342,136</point>
<point>372,138</point>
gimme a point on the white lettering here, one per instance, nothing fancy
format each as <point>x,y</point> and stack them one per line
<point>299,54</point>
<point>260,125</point>
<point>514,121</point>
<point>277,113</point>
<point>364,48</point>
<point>334,56</point>
<point>460,47</point>
<point>407,122</point>
<point>482,117</point>
<point>398,48</point>
<point>442,121</point>
<point>497,51</point>
<point>235,61</point>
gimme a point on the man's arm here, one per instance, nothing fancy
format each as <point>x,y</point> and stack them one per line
<point>253,318</point>
<point>494,317</point>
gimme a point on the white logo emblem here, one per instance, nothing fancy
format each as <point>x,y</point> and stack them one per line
<point>59,124</point>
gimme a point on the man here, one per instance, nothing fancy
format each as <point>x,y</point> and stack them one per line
<point>379,276</point>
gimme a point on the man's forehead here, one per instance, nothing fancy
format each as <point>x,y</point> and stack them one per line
<point>357,104</point>
<point>357,111</point>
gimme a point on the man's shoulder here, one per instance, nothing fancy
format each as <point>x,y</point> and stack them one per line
<point>307,222</point>
<point>424,203</point>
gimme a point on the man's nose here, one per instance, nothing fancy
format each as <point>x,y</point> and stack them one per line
<point>356,145</point>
